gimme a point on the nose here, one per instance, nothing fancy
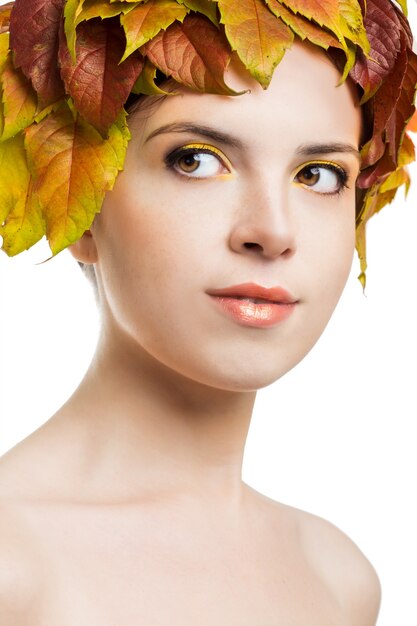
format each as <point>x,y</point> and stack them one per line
<point>264,224</point>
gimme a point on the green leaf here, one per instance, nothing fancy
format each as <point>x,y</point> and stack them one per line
<point>145,84</point>
<point>71,11</point>
<point>259,38</point>
<point>194,53</point>
<point>72,167</point>
<point>146,20</point>
<point>204,7</point>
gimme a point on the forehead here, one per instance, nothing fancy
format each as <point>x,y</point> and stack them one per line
<point>302,104</point>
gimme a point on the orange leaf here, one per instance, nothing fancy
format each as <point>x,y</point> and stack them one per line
<point>324,12</point>
<point>259,38</point>
<point>194,53</point>
<point>303,27</point>
<point>412,124</point>
<point>98,83</point>
<point>146,20</point>
<point>5,11</point>
<point>72,167</point>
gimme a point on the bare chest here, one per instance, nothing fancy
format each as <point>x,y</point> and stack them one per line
<point>107,570</point>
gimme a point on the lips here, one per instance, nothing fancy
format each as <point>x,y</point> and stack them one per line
<point>254,292</point>
<point>251,305</point>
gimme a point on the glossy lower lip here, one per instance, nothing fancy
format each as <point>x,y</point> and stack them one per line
<point>260,315</point>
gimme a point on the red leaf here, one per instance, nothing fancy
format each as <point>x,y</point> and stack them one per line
<point>393,107</point>
<point>194,53</point>
<point>34,28</point>
<point>97,83</point>
<point>383,28</point>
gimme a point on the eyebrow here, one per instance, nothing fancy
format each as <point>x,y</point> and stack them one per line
<point>230,140</point>
<point>197,129</point>
<point>328,148</point>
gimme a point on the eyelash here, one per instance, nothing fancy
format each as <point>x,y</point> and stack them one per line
<point>195,148</point>
<point>173,157</point>
<point>341,173</point>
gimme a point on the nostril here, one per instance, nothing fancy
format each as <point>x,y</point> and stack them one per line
<point>250,245</point>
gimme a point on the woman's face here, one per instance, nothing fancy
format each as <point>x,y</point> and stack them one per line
<point>263,193</point>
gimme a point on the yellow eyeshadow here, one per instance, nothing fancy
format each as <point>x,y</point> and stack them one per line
<point>208,148</point>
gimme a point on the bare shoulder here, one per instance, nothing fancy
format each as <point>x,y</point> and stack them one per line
<point>343,567</point>
<point>19,574</point>
<point>19,567</point>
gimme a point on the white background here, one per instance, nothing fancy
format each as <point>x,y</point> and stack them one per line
<point>336,436</point>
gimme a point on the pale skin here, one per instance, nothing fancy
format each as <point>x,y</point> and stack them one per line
<point>128,506</point>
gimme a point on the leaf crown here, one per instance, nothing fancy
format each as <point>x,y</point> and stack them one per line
<point>63,131</point>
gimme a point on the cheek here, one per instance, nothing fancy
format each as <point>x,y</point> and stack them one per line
<point>329,249</point>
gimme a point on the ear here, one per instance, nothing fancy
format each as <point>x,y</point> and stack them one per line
<point>85,249</point>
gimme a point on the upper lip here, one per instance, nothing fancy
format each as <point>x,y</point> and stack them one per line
<point>252,290</point>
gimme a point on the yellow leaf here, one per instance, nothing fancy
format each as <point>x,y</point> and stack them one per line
<point>403,5</point>
<point>204,7</point>
<point>72,167</point>
<point>146,20</point>
<point>361,250</point>
<point>258,37</point>
<point>21,221</point>
<point>20,102</point>
<point>351,24</point>
<point>101,8</point>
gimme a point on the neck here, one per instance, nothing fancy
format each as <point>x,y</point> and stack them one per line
<point>146,430</point>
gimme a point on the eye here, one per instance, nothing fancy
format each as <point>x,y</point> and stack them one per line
<point>326,178</point>
<point>198,161</point>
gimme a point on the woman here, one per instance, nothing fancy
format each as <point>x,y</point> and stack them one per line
<point>209,256</point>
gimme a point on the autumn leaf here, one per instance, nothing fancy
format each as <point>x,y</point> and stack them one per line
<point>303,27</point>
<point>194,53</point>
<point>391,111</point>
<point>352,25</point>
<point>71,11</point>
<point>99,84</point>
<point>21,221</point>
<point>403,5</point>
<point>5,11</point>
<point>258,37</point>
<point>145,84</point>
<point>146,20</point>
<point>412,124</point>
<point>19,100</point>
<point>72,167</point>
<point>204,7</point>
<point>384,34</point>
<point>34,32</point>
<point>323,12</point>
